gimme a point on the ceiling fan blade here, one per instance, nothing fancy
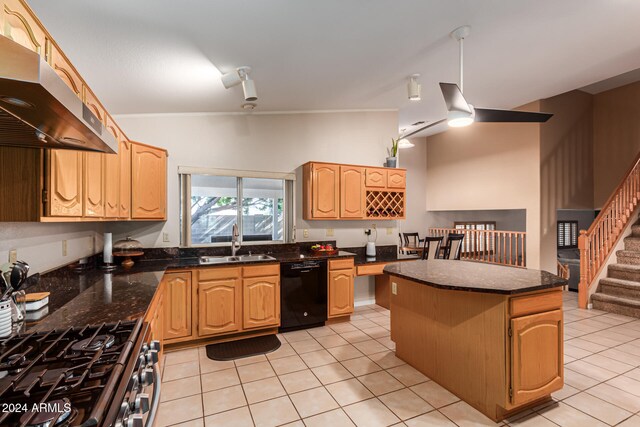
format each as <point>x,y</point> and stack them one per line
<point>453,98</point>
<point>413,132</point>
<point>510,116</point>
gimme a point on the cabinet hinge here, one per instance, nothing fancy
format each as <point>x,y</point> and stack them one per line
<point>510,392</point>
<point>510,332</point>
<point>44,196</point>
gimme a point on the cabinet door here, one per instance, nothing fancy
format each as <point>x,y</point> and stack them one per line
<point>219,306</point>
<point>376,177</point>
<point>94,105</point>
<point>65,183</point>
<point>536,356</point>
<point>177,305</point>
<point>94,164</point>
<point>124,157</point>
<point>340,292</point>
<point>112,176</point>
<point>21,26</point>
<point>261,302</point>
<point>396,179</point>
<point>63,68</point>
<point>149,182</point>
<point>352,193</point>
<point>325,182</point>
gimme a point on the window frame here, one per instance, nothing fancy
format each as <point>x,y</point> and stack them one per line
<point>572,236</point>
<point>288,203</point>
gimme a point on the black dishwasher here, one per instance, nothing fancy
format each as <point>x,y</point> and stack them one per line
<point>303,294</point>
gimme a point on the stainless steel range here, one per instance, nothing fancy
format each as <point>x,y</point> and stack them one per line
<point>105,375</point>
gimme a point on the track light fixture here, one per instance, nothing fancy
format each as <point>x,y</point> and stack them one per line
<point>413,88</point>
<point>238,76</point>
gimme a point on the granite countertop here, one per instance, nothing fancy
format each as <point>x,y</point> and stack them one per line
<point>474,276</point>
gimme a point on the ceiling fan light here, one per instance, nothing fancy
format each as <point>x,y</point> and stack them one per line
<point>405,143</point>
<point>414,88</point>
<point>458,119</point>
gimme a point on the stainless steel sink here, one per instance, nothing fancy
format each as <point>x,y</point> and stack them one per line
<point>231,259</point>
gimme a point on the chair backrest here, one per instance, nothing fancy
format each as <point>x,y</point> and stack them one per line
<point>411,239</point>
<point>431,247</point>
<point>454,245</point>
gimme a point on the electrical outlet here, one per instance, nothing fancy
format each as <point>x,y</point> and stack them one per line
<point>13,256</point>
<point>329,232</point>
<point>165,237</point>
<point>373,226</point>
<point>305,233</point>
<point>394,288</point>
<point>64,248</point>
<point>389,231</point>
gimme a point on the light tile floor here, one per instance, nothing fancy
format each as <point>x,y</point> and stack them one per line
<point>347,374</point>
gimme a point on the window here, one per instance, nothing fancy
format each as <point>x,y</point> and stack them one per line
<point>476,242</point>
<point>213,201</point>
<point>567,234</point>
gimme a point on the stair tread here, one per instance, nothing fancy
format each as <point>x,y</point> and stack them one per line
<point>626,267</point>
<point>629,302</point>
<point>620,282</point>
<point>627,252</point>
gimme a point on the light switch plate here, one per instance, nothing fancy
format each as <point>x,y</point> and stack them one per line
<point>389,231</point>
<point>394,288</point>
<point>329,232</point>
<point>165,237</point>
<point>13,256</point>
<point>305,233</point>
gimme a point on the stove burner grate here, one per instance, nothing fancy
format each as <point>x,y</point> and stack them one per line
<point>54,413</point>
<point>94,344</point>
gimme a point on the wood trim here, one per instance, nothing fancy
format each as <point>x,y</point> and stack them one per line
<point>370,270</point>
<point>261,270</point>
<point>537,303</point>
<point>150,146</point>
<point>338,264</point>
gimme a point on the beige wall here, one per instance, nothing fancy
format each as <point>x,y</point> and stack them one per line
<point>566,165</point>
<point>616,137</point>
<point>488,166</point>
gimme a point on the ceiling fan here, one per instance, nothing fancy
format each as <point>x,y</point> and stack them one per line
<point>461,113</point>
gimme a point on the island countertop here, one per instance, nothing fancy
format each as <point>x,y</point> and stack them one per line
<point>475,276</point>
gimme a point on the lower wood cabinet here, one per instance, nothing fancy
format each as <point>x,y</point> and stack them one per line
<point>177,305</point>
<point>155,318</point>
<point>261,302</point>
<point>536,373</point>
<point>219,301</point>
<point>340,287</point>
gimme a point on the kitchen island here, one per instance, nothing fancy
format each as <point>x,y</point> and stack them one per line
<point>491,335</point>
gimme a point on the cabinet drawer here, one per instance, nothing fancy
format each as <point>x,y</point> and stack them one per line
<point>218,273</point>
<point>396,179</point>
<point>370,270</point>
<point>261,270</point>
<point>337,264</point>
<point>535,303</point>
<point>375,177</point>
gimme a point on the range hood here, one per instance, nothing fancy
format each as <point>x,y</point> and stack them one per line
<point>37,109</point>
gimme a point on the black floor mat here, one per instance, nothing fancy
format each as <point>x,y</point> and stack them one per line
<point>243,348</point>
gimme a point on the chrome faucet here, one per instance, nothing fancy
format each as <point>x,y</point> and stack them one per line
<point>235,244</point>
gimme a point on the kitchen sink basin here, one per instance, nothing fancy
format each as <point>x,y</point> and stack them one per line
<point>230,259</point>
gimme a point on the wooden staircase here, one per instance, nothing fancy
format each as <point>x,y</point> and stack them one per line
<point>619,292</point>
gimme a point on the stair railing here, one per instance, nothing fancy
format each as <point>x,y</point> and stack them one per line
<point>597,243</point>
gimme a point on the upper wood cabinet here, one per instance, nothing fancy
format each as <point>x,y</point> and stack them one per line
<point>376,177</point>
<point>64,194</point>
<point>261,302</point>
<point>20,25</point>
<point>536,374</point>
<point>124,157</point>
<point>149,182</point>
<point>219,301</point>
<point>177,305</point>
<point>333,191</point>
<point>94,105</point>
<point>111,186</point>
<point>352,192</point>
<point>94,188</point>
<point>63,68</point>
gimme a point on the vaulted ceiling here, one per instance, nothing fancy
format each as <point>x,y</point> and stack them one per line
<point>160,56</point>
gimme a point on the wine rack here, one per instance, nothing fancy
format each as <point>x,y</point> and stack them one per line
<point>385,204</point>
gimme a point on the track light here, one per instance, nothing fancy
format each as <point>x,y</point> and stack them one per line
<point>413,88</point>
<point>458,119</point>
<point>241,75</point>
<point>405,143</point>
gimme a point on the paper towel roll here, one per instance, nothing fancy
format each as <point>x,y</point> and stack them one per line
<point>107,252</point>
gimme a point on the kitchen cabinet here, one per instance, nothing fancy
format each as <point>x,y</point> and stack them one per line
<point>64,194</point>
<point>261,302</point>
<point>352,192</point>
<point>111,185</point>
<point>154,317</point>
<point>340,287</point>
<point>91,101</point>
<point>63,68</point>
<point>219,301</point>
<point>124,198</point>
<point>20,25</point>
<point>177,305</point>
<point>94,184</point>
<point>535,373</point>
<point>149,182</point>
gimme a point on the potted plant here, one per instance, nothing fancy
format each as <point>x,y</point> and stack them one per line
<point>392,160</point>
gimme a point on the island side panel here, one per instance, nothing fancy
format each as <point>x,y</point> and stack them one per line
<point>456,338</point>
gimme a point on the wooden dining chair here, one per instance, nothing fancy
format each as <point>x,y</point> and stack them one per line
<point>411,239</point>
<point>432,247</point>
<point>454,246</point>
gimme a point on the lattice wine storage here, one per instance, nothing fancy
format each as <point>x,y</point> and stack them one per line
<point>385,204</point>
